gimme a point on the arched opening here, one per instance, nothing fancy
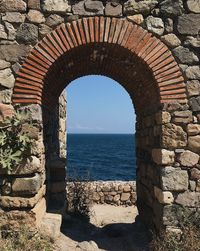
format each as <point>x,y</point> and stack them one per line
<point>146,69</point>
<point>100,130</point>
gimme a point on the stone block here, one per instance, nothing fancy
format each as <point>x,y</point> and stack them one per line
<point>125,196</point>
<point>193,88</point>
<point>36,17</point>
<point>22,202</point>
<point>185,56</point>
<point>27,33</point>
<point>27,185</point>
<point>188,199</point>
<point>14,17</point>
<point>188,158</point>
<point>171,40</point>
<point>141,7</point>
<point>173,179</point>
<point>193,72</point>
<point>31,218</point>
<point>50,225</point>
<point>14,52</point>
<point>173,136</point>
<point>194,143</point>
<point>195,174</point>
<point>182,117</point>
<point>188,24</point>
<point>6,78</point>
<point>113,9</point>
<point>34,4</point>
<point>155,25</point>
<point>164,197</point>
<point>193,6</point>
<point>12,5</point>
<point>192,41</point>
<point>163,118</point>
<point>137,18</point>
<point>88,8</point>
<point>163,157</point>
<point>56,6</point>
<point>6,111</point>
<point>171,8</point>
<point>54,20</point>
<point>195,103</point>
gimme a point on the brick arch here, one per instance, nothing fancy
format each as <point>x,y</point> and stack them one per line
<point>143,62</point>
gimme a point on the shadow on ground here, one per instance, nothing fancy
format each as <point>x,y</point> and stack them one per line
<point>111,237</point>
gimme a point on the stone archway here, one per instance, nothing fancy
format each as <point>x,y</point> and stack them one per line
<point>145,66</point>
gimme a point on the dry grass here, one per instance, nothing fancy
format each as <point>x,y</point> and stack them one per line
<point>25,241</point>
<point>188,241</point>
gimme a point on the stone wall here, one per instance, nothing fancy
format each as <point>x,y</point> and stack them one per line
<point>151,48</point>
<point>105,192</point>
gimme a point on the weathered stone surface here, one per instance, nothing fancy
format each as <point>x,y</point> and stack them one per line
<point>5,96</point>
<point>173,179</point>
<point>50,225</point>
<point>193,129</point>
<point>141,7</point>
<point>155,25</point>
<point>137,18</point>
<point>34,4</point>
<point>192,185</point>
<point>195,174</point>
<point>184,117</point>
<point>87,246</point>
<point>188,158</point>
<point>53,6</point>
<point>11,31</point>
<point>195,103</point>
<point>17,202</point>
<point>14,52</point>
<point>54,20</point>
<point>35,16</point>
<point>125,196</point>
<point>163,157</point>
<point>14,17</point>
<point>185,56</point>
<point>88,8</point>
<point>193,88</point>
<point>29,185</point>
<point>188,24</point>
<point>11,5</point>
<point>192,41</point>
<point>113,9</point>
<point>194,143</point>
<point>44,30</point>
<point>193,5</point>
<point>171,7</point>
<point>173,136</point>
<point>27,33</point>
<point>3,34</point>
<point>6,78</point>
<point>169,25</point>
<point>164,197</point>
<point>188,199</point>
<point>171,40</point>
<point>4,64</point>
<point>163,117</point>
<point>193,72</point>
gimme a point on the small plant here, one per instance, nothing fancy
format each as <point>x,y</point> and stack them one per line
<point>15,143</point>
<point>78,197</point>
<point>24,240</point>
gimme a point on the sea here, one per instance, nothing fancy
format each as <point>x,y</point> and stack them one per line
<point>101,157</point>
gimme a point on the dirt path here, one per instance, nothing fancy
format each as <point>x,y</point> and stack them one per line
<point>110,228</point>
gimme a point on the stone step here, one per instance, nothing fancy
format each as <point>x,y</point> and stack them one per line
<point>50,225</point>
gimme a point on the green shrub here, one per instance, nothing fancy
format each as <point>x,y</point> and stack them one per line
<point>15,144</point>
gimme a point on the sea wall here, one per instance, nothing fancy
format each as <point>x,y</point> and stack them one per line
<point>104,192</point>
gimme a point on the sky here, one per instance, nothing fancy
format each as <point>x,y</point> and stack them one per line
<point>98,104</point>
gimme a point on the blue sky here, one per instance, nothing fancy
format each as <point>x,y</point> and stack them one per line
<point>97,104</point>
